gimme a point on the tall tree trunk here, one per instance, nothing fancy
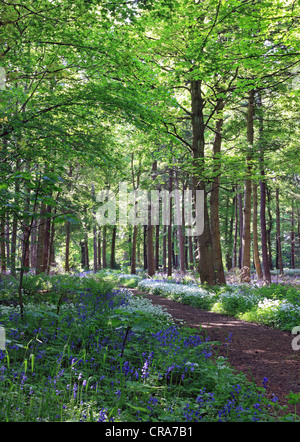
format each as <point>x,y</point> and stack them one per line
<point>95,239</point>
<point>164,258</point>
<point>133,254</point>
<point>113,248</point>
<point>245,276</point>
<point>255,235</point>
<point>214,200</point>
<point>67,254</point>
<point>2,245</point>
<point>170,249</point>
<point>33,245</point>
<point>293,238</point>
<point>47,239</point>
<point>51,246</point>
<point>241,223</point>
<point>150,246</point>
<point>269,230</point>
<point>263,225</point>
<point>135,185</point>
<point>157,247</point>
<point>278,235</point>
<point>236,220</point>
<point>14,226</point>
<point>99,250</point>
<point>180,224</point>
<point>41,241</point>
<point>191,253</point>
<point>204,241</point>
<point>26,231</point>
<point>150,251</point>
<point>145,247</point>
<point>7,234</point>
<point>86,251</point>
<point>104,262</point>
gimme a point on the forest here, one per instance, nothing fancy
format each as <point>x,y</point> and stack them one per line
<point>157,97</point>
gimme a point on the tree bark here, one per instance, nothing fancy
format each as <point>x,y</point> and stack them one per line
<point>278,235</point>
<point>157,247</point>
<point>46,252</point>
<point>236,220</point>
<point>95,242</point>
<point>99,250</point>
<point>180,223</point>
<point>113,248</point>
<point>204,241</point>
<point>133,254</point>
<point>145,247</point>
<point>170,257</point>
<point>245,275</point>
<point>293,238</point>
<point>67,255</point>
<point>214,201</point>
<point>41,241</point>
<point>255,235</point>
<point>263,226</point>
<point>86,251</point>
<point>269,230</point>
<point>241,222</point>
<point>2,246</point>
<point>164,258</point>
<point>104,262</point>
<point>14,227</point>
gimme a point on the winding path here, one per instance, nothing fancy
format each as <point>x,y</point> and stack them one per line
<point>258,351</point>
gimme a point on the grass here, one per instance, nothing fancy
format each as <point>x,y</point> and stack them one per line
<point>88,352</point>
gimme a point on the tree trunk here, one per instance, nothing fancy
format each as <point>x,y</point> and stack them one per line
<point>180,233</point>
<point>41,241</point>
<point>293,239</point>
<point>164,249</point>
<point>263,225</point>
<point>99,250</point>
<point>157,247</point>
<point>214,201</point>
<point>269,230</point>
<point>133,254</point>
<point>104,262</point>
<point>278,235</point>
<point>86,252</point>
<point>26,235</point>
<point>204,241</point>
<point>67,257</point>
<point>170,249</point>
<point>234,257</point>
<point>2,246</point>
<point>33,245</point>
<point>113,248</point>
<point>46,252</point>
<point>241,222</point>
<point>95,240</point>
<point>245,275</point>
<point>14,227</point>
<point>145,247</point>
<point>51,246</point>
<point>7,241</point>
<point>255,235</point>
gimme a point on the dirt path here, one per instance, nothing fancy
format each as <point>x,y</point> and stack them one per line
<point>261,350</point>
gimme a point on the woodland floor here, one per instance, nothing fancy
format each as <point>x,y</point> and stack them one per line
<point>256,350</point>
